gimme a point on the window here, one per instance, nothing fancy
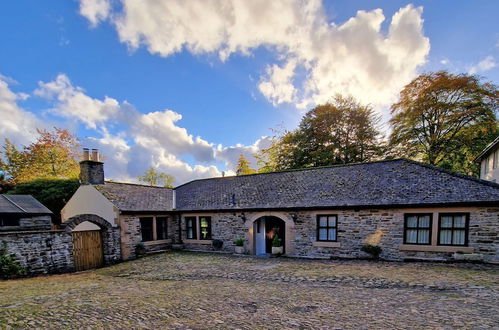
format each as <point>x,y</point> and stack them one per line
<point>161,228</point>
<point>190,225</point>
<point>327,228</point>
<point>9,220</point>
<point>146,228</point>
<point>417,229</point>
<point>453,229</point>
<point>205,227</point>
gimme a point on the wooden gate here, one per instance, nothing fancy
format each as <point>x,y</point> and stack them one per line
<point>87,249</point>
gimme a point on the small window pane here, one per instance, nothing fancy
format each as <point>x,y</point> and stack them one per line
<point>459,221</point>
<point>446,237</point>
<point>161,228</point>
<point>323,221</point>
<point>146,229</point>
<point>332,235</point>
<point>205,227</point>
<point>411,236</point>
<point>424,236</point>
<point>424,221</point>
<point>412,221</point>
<point>323,234</point>
<point>332,221</point>
<point>458,237</point>
<point>446,222</point>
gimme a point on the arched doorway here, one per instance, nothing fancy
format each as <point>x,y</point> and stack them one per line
<point>264,230</point>
<point>95,242</point>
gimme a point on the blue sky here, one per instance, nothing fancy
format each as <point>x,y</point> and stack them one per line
<point>187,86</point>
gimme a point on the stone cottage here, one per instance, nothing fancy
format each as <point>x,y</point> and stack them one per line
<point>411,210</point>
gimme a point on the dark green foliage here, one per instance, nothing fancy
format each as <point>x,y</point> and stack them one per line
<point>217,244</point>
<point>276,242</point>
<point>239,242</point>
<point>373,250</point>
<point>140,249</point>
<point>53,193</point>
<point>9,268</point>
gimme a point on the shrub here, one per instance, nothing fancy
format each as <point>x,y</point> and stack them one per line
<point>239,242</point>
<point>276,242</point>
<point>9,268</point>
<point>373,250</point>
<point>217,244</point>
<point>140,249</point>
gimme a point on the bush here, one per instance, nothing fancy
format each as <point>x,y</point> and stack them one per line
<point>239,242</point>
<point>9,268</point>
<point>276,242</point>
<point>217,244</point>
<point>373,250</point>
<point>140,249</point>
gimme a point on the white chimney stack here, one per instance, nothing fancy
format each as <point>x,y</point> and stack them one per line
<point>86,154</point>
<point>95,155</point>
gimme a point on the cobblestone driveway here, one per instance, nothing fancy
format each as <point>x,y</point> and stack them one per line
<point>194,290</point>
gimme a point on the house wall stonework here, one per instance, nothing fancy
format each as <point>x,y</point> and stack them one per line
<point>383,227</point>
<point>36,222</point>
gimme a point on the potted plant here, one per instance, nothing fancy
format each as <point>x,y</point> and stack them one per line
<point>277,249</point>
<point>373,250</point>
<point>239,249</point>
<point>140,250</point>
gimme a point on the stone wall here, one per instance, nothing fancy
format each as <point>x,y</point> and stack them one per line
<point>41,252</point>
<point>383,227</point>
<point>37,222</point>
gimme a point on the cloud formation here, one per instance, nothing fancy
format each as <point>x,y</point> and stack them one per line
<point>486,64</point>
<point>95,10</point>
<point>314,58</point>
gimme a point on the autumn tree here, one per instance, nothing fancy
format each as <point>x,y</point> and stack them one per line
<point>445,119</point>
<point>155,178</point>
<point>340,132</point>
<point>243,166</point>
<point>54,155</point>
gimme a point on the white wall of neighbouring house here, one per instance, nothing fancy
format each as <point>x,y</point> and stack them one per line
<point>88,200</point>
<point>490,166</point>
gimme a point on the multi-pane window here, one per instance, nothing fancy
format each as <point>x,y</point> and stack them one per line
<point>417,229</point>
<point>204,227</point>
<point>7,220</point>
<point>161,228</point>
<point>190,225</point>
<point>146,227</point>
<point>453,229</point>
<point>327,228</point>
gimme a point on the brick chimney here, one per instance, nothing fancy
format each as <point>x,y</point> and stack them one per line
<point>91,168</point>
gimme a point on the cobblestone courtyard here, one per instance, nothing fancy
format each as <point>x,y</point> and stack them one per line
<point>194,290</point>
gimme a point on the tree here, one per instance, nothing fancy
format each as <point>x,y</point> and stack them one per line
<point>53,156</point>
<point>445,120</point>
<point>340,132</point>
<point>155,178</point>
<point>243,166</point>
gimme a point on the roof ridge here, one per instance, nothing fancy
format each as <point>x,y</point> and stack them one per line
<point>15,204</point>
<point>455,174</point>
<point>136,184</point>
<point>296,170</point>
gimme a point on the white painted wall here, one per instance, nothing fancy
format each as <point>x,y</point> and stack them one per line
<point>86,225</point>
<point>88,200</point>
<point>489,167</point>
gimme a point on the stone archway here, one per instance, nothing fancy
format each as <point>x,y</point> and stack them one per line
<point>110,235</point>
<point>289,233</point>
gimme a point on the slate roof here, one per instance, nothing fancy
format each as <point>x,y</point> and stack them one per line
<point>136,197</point>
<point>25,204</point>
<point>393,183</point>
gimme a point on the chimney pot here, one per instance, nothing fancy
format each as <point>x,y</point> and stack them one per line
<point>91,169</point>
<point>86,154</point>
<point>95,155</point>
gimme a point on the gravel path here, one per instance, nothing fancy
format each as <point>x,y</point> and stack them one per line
<point>196,290</point>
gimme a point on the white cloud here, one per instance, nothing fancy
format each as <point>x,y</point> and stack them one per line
<point>231,154</point>
<point>17,124</point>
<point>444,61</point>
<point>145,139</point>
<point>95,10</point>
<point>317,58</point>
<point>486,64</point>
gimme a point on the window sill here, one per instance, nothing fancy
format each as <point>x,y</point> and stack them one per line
<point>435,248</point>
<point>162,241</point>
<point>327,244</point>
<point>197,241</point>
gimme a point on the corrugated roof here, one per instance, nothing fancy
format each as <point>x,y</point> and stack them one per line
<point>137,197</point>
<point>22,204</point>
<point>385,183</point>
